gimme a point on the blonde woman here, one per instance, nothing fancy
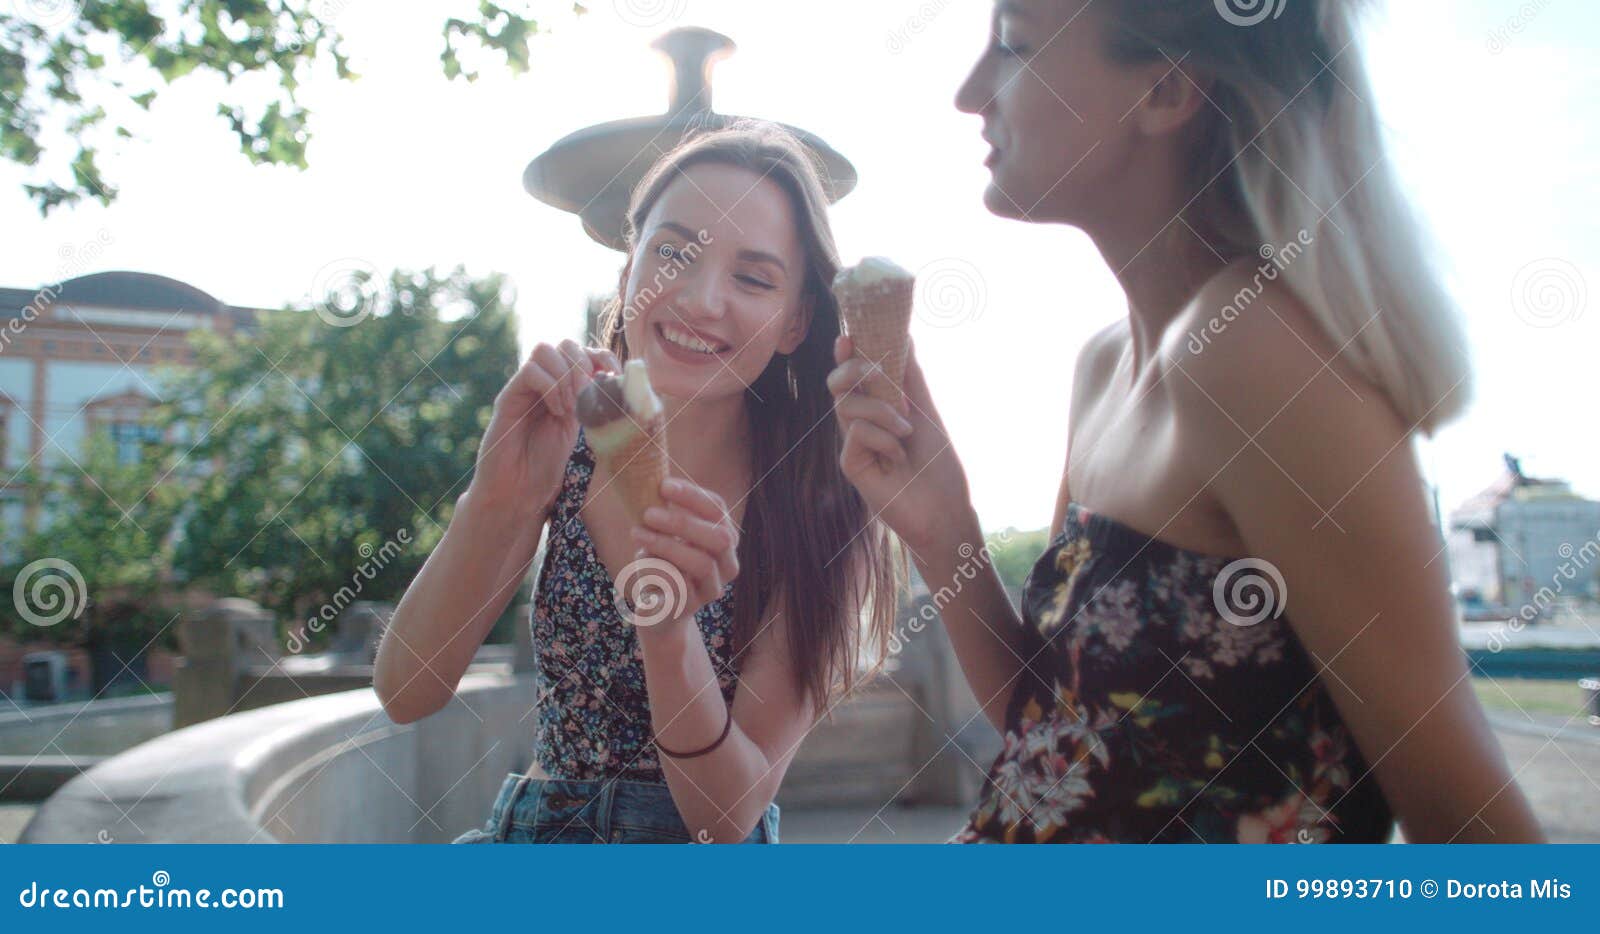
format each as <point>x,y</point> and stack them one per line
<point>1240,630</point>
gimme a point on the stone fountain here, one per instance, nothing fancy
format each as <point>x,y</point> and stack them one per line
<point>592,172</point>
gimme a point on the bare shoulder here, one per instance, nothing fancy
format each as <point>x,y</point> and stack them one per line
<point>1247,349</point>
<point>1097,361</point>
<point>1263,395</point>
<point>1099,354</point>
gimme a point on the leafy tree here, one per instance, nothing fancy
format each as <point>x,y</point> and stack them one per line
<point>339,449</point>
<point>98,569</point>
<point>306,466</point>
<point>1013,553</point>
<point>63,63</point>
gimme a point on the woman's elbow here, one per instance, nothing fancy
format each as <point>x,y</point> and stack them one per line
<point>403,703</point>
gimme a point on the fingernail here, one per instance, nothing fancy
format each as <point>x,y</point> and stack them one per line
<point>672,485</point>
<point>655,514</point>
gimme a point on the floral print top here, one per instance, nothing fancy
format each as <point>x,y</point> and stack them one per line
<point>594,712</point>
<point>1166,699</point>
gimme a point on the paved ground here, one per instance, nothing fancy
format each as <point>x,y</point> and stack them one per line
<point>1557,762</point>
<point>13,817</point>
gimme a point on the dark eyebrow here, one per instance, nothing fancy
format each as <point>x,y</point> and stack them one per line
<point>678,228</point>
<point>762,256</point>
<point>757,256</point>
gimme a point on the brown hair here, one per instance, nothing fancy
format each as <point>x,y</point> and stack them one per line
<point>809,543</point>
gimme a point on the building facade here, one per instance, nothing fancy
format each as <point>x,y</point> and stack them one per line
<point>1524,535</point>
<point>79,356</point>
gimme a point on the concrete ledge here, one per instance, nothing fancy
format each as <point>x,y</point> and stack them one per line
<point>34,778</point>
<point>335,769</point>
<point>332,768</point>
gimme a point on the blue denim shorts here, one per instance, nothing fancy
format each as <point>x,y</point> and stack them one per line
<point>534,810</point>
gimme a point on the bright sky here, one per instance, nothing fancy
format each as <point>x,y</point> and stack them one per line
<point>1492,104</point>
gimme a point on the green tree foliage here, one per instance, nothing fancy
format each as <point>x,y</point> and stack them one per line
<point>341,447</point>
<point>1013,553</point>
<point>322,454</point>
<point>64,64</point>
<point>102,560</point>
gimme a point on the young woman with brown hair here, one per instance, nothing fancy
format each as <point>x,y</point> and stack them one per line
<point>682,729</point>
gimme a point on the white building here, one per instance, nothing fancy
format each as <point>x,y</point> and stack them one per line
<point>1524,534</point>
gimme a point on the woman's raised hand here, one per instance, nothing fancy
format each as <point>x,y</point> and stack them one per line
<point>695,533</point>
<point>534,425</point>
<point>898,457</point>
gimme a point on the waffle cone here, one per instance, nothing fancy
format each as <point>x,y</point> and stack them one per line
<point>878,321</point>
<point>638,465</point>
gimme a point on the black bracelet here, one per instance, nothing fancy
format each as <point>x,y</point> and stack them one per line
<point>726,729</point>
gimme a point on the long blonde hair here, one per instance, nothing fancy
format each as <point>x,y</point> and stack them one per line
<point>1290,147</point>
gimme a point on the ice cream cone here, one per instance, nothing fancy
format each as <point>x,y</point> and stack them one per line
<point>627,430</point>
<point>875,301</point>
<point>638,465</point>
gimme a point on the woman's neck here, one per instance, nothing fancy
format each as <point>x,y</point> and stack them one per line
<point>1160,262</point>
<point>709,441</point>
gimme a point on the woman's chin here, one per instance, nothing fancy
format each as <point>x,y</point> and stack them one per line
<point>999,200</point>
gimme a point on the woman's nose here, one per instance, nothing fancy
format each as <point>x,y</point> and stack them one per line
<point>973,95</point>
<point>702,295</point>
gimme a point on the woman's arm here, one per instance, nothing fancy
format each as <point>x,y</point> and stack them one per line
<point>1319,477</point>
<point>722,794</point>
<point>474,570</point>
<point>908,473</point>
<point>447,612</point>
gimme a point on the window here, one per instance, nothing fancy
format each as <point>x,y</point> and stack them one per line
<point>129,437</point>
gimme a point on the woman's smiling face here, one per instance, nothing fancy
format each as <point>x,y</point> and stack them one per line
<point>714,285</point>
